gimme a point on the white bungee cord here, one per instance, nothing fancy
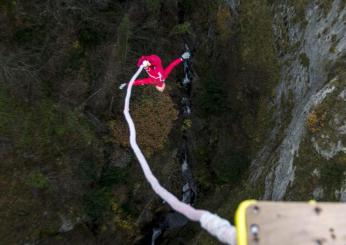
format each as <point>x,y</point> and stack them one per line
<point>214,224</point>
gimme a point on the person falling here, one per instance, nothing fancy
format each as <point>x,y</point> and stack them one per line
<point>157,74</point>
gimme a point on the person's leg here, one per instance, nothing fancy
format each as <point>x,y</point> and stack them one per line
<point>171,66</point>
<point>145,81</point>
<point>159,85</point>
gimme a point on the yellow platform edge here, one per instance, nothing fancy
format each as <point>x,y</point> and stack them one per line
<point>240,221</point>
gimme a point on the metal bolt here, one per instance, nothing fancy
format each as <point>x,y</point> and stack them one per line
<point>256,209</point>
<point>318,210</point>
<point>254,230</point>
<point>332,234</point>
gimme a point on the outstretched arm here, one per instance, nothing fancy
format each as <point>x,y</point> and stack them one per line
<point>172,65</point>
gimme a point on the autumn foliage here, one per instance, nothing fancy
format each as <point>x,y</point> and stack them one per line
<point>316,121</point>
<point>153,114</point>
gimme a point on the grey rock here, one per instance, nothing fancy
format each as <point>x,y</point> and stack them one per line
<point>67,224</point>
<point>318,193</point>
<point>328,149</point>
<point>342,95</point>
<point>308,84</point>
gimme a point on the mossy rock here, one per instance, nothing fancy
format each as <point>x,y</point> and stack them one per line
<point>321,150</point>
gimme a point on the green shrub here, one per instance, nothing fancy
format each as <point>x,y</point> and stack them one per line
<point>212,99</point>
<point>8,3</point>
<point>124,33</point>
<point>300,8</point>
<point>38,180</point>
<point>326,5</point>
<point>75,57</point>
<point>187,5</point>
<point>42,129</point>
<point>90,35</point>
<point>332,174</point>
<point>87,173</point>
<point>304,60</point>
<point>97,204</point>
<point>257,46</point>
<point>114,176</point>
<point>187,123</point>
<point>230,169</point>
<point>184,28</point>
<point>153,6</point>
<point>24,35</point>
<point>30,32</point>
<point>6,112</point>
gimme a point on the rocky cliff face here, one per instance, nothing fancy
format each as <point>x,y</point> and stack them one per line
<point>313,56</point>
<point>303,154</point>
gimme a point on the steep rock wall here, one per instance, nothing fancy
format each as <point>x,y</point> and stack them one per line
<point>309,50</point>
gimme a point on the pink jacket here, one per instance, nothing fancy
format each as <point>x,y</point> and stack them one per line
<point>157,74</point>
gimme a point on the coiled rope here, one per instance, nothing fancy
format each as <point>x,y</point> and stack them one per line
<point>215,225</point>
